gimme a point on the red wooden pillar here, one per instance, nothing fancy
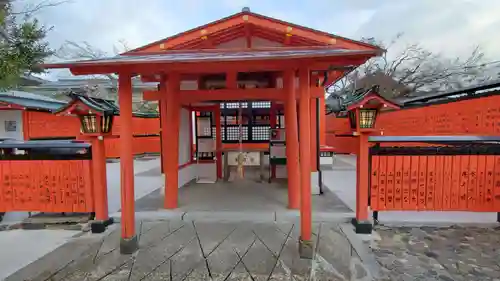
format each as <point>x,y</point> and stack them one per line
<point>305,157</point>
<point>172,127</point>
<point>362,172</point>
<point>322,119</point>
<point>292,140</point>
<point>218,141</point>
<point>162,104</point>
<point>128,243</point>
<point>272,123</point>
<point>191,151</point>
<point>99,176</point>
<point>313,130</point>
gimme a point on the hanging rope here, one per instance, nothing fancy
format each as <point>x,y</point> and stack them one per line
<point>241,156</point>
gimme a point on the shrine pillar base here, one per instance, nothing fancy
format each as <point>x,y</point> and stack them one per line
<point>99,226</point>
<point>306,249</point>
<point>129,245</point>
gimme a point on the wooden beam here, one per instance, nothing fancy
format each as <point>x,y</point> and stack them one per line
<point>149,68</point>
<point>248,35</point>
<point>192,96</point>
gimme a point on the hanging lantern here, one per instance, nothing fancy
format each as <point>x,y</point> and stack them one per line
<point>95,124</point>
<point>367,118</point>
<point>106,123</point>
<point>88,123</point>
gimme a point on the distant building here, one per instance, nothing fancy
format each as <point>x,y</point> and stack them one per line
<point>98,87</point>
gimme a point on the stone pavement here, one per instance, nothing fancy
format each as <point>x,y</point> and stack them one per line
<point>447,254</point>
<point>177,250</point>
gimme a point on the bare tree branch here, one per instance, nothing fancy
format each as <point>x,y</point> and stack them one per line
<point>416,68</point>
<point>31,9</point>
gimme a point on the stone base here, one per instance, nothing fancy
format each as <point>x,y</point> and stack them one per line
<point>100,226</point>
<point>129,246</point>
<point>362,227</point>
<point>306,249</point>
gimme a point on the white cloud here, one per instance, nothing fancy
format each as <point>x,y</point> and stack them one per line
<point>447,26</point>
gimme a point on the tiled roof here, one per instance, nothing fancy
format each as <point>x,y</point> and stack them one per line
<point>215,56</point>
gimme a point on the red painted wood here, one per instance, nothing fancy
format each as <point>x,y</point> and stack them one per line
<point>46,186</point>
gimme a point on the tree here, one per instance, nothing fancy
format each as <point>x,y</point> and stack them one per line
<point>23,47</point>
<point>420,69</point>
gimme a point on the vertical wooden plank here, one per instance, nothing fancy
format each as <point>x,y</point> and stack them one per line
<point>406,183</point>
<point>496,185</point>
<point>398,182</point>
<point>472,202</point>
<point>87,176</point>
<point>455,183</point>
<point>422,182</point>
<point>438,183</point>
<point>82,191</point>
<point>489,183</point>
<point>389,198</point>
<point>30,200</point>
<point>54,196</point>
<point>431,179</point>
<point>414,182</point>
<point>7,179</point>
<point>47,186</point>
<point>38,188</point>
<point>464,181</point>
<point>2,196</point>
<point>16,190</point>
<point>374,183</point>
<point>481,176</point>
<point>382,182</point>
<point>75,187</point>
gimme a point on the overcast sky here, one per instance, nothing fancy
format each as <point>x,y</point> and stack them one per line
<point>452,27</point>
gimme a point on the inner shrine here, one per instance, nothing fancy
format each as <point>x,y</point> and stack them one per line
<point>245,90</point>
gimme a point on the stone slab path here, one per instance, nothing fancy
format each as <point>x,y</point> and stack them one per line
<point>445,253</point>
<point>177,250</point>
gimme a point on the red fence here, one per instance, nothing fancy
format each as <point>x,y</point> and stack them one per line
<point>459,182</point>
<point>46,186</point>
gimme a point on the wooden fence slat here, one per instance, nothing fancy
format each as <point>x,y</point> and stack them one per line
<point>438,183</point>
<point>374,187</point>
<point>430,185</point>
<point>464,181</point>
<point>455,183</point>
<point>481,189</point>
<point>472,202</point>
<point>389,198</point>
<point>414,182</point>
<point>382,183</point>
<point>496,185</point>
<point>489,182</point>
<point>406,182</point>
<point>398,182</point>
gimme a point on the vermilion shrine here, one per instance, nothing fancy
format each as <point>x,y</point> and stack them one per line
<point>223,71</point>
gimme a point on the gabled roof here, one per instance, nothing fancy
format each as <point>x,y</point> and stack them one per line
<point>97,105</point>
<point>84,103</point>
<point>218,55</point>
<point>245,22</point>
<point>25,100</point>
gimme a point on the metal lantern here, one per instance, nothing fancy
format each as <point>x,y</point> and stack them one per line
<point>106,123</point>
<point>95,124</point>
<point>89,124</point>
<point>367,118</point>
